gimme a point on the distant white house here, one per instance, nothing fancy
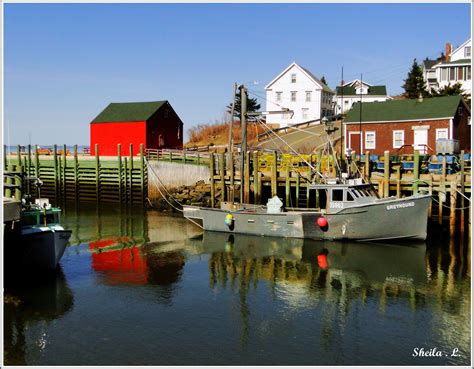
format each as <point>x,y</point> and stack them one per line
<point>456,68</point>
<point>297,89</point>
<point>451,68</point>
<point>355,91</point>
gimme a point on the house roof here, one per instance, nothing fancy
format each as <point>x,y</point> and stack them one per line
<point>430,63</point>
<point>459,61</point>
<point>304,70</point>
<point>325,87</point>
<point>351,90</point>
<point>402,110</point>
<point>128,112</point>
<point>460,46</point>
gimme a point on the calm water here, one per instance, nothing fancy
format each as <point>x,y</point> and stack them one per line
<point>140,288</point>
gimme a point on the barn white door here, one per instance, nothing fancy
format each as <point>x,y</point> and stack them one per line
<point>420,141</point>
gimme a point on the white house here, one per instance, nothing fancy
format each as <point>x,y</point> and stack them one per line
<point>456,68</point>
<point>299,90</point>
<point>355,91</point>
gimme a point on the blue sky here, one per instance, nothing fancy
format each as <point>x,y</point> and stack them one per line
<point>63,63</point>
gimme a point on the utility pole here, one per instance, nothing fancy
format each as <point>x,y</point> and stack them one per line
<point>243,146</point>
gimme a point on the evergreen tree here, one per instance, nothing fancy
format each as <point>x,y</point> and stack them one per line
<point>252,106</point>
<point>415,83</point>
<point>450,90</point>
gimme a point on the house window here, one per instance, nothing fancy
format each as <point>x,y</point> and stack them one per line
<point>452,74</point>
<point>293,78</point>
<point>166,113</point>
<point>468,73</point>
<point>278,96</point>
<point>308,95</point>
<point>444,74</point>
<point>370,140</point>
<point>460,73</point>
<point>346,102</point>
<point>441,133</point>
<point>304,113</point>
<point>467,52</point>
<point>293,95</point>
<point>398,139</point>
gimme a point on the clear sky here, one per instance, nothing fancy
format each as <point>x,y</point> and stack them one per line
<point>64,63</point>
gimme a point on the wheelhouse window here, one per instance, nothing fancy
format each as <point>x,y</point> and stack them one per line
<point>398,139</point>
<point>337,195</point>
<point>370,140</point>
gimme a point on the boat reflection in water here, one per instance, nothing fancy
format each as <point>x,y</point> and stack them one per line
<point>364,263</point>
<point>31,306</point>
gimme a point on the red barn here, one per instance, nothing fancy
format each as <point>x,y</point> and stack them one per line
<point>402,126</point>
<point>154,124</point>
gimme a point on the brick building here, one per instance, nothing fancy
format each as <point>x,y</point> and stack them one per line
<point>154,124</point>
<point>402,126</point>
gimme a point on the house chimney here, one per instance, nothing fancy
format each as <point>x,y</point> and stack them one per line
<point>448,51</point>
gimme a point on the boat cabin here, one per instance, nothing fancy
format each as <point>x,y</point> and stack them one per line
<point>334,197</point>
<point>41,218</point>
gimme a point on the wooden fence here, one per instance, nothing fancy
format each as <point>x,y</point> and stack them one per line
<point>179,156</point>
<point>66,178</point>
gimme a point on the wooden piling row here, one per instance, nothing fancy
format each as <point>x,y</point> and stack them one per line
<point>81,179</point>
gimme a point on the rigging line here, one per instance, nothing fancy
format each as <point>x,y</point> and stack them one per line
<point>268,100</point>
<point>164,196</point>
<point>305,131</point>
<point>159,180</point>
<point>291,148</point>
<point>449,207</point>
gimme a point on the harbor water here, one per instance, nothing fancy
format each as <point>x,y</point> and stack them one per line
<point>136,287</point>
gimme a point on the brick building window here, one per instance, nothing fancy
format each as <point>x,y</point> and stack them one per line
<point>398,139</point>
<point>441,133</point>
<point>370,140</point>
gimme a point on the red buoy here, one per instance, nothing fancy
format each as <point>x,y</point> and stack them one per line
<point>322,222</point>
<point>322,261</point>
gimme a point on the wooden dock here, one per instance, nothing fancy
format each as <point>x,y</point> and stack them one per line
<point>81,178</point>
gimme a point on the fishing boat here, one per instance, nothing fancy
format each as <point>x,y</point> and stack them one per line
<point>347,207</point>
<point>37,240</point>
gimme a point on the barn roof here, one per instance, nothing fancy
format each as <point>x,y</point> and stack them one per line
<point>128,112</point>
<point>409,109</point>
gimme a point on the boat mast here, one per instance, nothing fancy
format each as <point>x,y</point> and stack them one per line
<point>243,146</point>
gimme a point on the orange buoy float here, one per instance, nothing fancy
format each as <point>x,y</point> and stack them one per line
<point>322,222</point>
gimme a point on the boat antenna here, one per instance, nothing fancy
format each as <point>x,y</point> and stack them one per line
<point>243,146</point>
<point>360,118</point>
<point>342,112</point>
